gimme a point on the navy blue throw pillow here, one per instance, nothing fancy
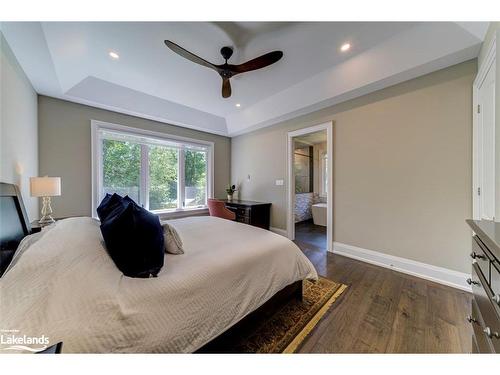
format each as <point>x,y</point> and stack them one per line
<point>134,239</point>
<point>108,204</point>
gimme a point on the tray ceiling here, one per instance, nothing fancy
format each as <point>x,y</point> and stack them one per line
<point>70,60</point>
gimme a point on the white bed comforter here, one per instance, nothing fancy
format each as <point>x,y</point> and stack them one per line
<point>62,284</point>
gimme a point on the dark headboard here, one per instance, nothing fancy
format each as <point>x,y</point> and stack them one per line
<point>14,223</point>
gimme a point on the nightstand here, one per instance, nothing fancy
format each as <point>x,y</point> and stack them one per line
<point>35,227</point>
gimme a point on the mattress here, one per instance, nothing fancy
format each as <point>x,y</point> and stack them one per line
<point>62,284</point>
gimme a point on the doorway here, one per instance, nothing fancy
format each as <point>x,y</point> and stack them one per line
<point>309,198</point>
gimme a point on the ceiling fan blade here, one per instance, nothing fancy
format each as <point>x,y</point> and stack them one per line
<point>226,88</point>
<point>188,55</point>
<point>257,63</point>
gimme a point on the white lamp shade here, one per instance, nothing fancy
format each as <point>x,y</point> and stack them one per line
<point>45,186</point>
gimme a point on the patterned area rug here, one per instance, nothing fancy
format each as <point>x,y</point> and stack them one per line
<point>286,329</point>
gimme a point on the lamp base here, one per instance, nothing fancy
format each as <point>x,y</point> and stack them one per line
<point>46,218</point>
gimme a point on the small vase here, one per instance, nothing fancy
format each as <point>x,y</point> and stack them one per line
<point>230,197</point>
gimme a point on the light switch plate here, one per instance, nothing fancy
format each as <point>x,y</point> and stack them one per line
<point>279,182</point>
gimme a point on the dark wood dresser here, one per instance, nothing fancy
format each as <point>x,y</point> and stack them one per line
<point>485,282</point>
<point>257,214</point>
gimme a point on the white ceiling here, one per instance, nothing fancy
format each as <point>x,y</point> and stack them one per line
<point>69,60</point>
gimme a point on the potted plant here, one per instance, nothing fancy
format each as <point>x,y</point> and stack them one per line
<point>230,189</point>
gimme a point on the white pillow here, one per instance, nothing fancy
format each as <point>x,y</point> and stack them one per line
<point>173,242</point>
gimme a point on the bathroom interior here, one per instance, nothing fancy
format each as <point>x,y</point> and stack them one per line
<point>310,170</point>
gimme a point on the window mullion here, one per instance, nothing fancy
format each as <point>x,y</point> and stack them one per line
<point>144,184</point>
<point>100,176</point>
<point>181,177</point>
<point>208,189</point>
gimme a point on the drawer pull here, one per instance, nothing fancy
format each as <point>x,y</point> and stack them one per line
<point>472,282</point>
<point>470,319</point>
<point>475,255</point>
<point>490,333</point>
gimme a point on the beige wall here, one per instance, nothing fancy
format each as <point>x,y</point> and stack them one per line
<point>18,127</point>
<point>65,149</point>
<point>402,168</point>
<point>494,32</point>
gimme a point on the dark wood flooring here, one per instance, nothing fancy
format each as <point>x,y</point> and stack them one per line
<point>308,233</point>
<point>384,311</point>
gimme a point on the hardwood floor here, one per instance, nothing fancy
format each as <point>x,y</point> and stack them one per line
<point>384,311</point>
<point>309,233</point>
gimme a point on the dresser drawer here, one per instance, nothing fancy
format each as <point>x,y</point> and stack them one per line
<point>495,282</point>
<point>475,347</point>
<point>243,219</point>
<point>489,312</point>
<point>253,213</point>
<point>238,210</point>
<point>241,211</point>
<point>480,255</point>
<point>480,343</point>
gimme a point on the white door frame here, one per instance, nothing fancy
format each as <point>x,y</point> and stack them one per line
<point>477,161</point>
<point>290,222</point>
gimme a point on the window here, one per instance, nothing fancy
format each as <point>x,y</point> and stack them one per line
<point>160,172</point>
<point>324,175</point>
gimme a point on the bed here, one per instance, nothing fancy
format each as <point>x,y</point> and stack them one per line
<point>61,283</point>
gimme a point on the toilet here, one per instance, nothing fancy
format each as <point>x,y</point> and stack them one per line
<point>319,213</point>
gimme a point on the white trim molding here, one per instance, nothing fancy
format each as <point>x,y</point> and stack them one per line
<point>281,232</point>
<point>477,130</point>
<point>425,271</point>
<point>488,61</point>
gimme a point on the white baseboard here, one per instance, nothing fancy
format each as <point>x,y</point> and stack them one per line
<point>426,271</point>
<point>279,231</point>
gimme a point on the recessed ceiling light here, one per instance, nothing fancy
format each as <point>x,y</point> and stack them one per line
<point>238,105</point>
<point>114,55</point>
<point>345,47</point>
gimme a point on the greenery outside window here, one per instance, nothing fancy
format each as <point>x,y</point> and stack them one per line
<point>162,173</point>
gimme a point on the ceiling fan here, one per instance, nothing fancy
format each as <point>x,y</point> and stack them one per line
<point>226,71</point>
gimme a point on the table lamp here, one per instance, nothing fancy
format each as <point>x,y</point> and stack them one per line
<point>45,187</point>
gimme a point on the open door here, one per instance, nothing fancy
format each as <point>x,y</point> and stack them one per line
<point>484,141</point>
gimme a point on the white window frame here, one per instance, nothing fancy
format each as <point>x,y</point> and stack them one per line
<point>323,177</point>
<point>96,142</point>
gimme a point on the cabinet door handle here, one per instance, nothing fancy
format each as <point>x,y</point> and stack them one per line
<point>470,319</point>
<point>475,255</point>
<point>496,298</point>
<point>472,282</point>
<point>490,333</point>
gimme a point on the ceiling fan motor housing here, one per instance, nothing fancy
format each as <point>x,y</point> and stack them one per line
<point>226,52</point>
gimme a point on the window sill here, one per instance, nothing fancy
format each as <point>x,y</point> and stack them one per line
<point>176,214</point>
